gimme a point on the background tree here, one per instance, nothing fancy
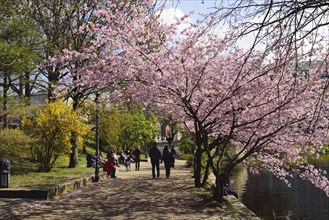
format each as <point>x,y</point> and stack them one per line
<point>123,129</point>
<point>137,130</point>
<point>79,67</point>
<point>110,125</point>
<point>60,21</point>
<point>17,36</point>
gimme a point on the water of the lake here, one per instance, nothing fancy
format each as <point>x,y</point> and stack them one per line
<point>270,198</point>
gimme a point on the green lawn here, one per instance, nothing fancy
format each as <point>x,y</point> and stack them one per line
<point>24,173</point>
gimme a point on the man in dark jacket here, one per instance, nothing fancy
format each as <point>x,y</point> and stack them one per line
<point>155,156</point>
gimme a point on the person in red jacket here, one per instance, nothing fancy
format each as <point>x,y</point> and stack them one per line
<point>110,167</point>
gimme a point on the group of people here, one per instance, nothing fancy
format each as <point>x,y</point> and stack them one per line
<point>168,157</point>
<point>128,157</point>
<point>125,158</point>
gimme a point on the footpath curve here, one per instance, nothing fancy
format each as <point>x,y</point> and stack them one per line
<point>132,195</point>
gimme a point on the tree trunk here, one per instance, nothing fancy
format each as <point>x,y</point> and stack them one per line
<point>53,77</point>
<point>73,158</point>
<point>74,138</point>
<point>206,174</point>
<point>74,154</point>
<point>197,167</point>
<point>218,192</point>
<point>20,87</point>
<point>27,85</point>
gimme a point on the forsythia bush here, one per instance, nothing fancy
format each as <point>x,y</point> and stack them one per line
<point>52,127</point>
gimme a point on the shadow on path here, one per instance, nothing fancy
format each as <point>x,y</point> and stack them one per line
<point>133,195</point>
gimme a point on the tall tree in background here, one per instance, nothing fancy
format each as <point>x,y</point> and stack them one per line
<point>17,53</point>
<point>127,24</point>
<point>60,21</point>
<point>124,129</point>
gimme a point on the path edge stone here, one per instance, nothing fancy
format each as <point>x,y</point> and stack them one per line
<point>51,192</point>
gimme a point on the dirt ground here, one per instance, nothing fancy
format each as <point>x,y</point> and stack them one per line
<point>132,195</point>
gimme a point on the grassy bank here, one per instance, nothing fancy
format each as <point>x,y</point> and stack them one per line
<point>24,174</point>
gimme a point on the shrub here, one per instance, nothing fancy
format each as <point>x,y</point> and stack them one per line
<point>52,127</point>
<point>189,159</point>
<point>14,143</point>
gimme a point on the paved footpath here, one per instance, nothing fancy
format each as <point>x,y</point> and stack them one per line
<point>132,195</point>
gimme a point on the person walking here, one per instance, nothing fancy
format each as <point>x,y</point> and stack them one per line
<point>174,153</point>
<point>155,156</point>
<point>137,157</point>
<point>168,159</point>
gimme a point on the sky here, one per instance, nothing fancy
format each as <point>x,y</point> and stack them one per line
<point>198,7</point>
<point>181,7</point>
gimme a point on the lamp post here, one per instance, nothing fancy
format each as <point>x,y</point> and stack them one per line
<point>96,179</point>
<point>4,173</point>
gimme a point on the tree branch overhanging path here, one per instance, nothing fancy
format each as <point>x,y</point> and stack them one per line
<point>242,106</point>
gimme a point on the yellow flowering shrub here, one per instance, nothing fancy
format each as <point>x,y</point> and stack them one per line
<point>52,127</point>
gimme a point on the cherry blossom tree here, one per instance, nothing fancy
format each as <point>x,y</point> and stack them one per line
<point>122,29</point>
<point>262,112</point>
<point>260,108</point>
<point>101,62</point>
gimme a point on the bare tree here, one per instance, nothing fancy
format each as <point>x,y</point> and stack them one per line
<point>275,23</point>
